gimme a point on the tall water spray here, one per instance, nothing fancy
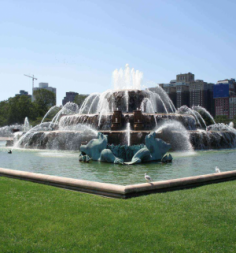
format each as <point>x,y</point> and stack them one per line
<point>128,133</point>
<point>127,79</point>
<point>26,125</point>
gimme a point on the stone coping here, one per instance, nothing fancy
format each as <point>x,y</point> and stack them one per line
<point>120,191</point>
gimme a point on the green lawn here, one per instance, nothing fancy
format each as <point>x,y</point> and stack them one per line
<point>40,218</point>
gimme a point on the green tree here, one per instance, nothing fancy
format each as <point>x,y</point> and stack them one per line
<point>44,100</point>
<point>79,99</point>
<point>19,108</point>
<point>222,119</point>
<point>4,109</point>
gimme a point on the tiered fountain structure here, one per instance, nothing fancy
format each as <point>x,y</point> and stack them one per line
<point>126,115</point>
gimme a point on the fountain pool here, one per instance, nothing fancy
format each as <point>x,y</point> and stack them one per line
<point>66,164</point>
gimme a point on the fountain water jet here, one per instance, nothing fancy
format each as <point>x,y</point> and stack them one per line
<point>204,111</point>
<point>176,134</point>
<point>128,134</point>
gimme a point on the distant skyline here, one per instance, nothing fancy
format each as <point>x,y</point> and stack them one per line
<point>76,45</point>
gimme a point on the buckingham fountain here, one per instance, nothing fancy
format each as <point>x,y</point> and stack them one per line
<point>127,120</point>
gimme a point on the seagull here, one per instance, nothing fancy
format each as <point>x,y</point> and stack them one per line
<point>148,178</point>
<point>217,170</point>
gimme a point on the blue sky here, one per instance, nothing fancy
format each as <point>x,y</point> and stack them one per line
<point>76,45</point>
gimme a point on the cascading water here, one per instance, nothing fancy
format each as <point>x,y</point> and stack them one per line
<point>68,108</point>
<point>215,136</point>
<point>147,106</point>
<point>36,136</point>
<point>176,134</point>
<point>49,111</point>
<point>86,105</point>
<point>204,111</point>
<point>186,110</point>
<point>127,100</point>
<point>165,99</point>
<point>199,116</point>
<point>128,134</point>
<point>103,105</point>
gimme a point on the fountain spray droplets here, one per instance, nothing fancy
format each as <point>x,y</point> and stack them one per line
<point>127,79</point>
<point>86,105</point>
<point>176,134</point>
<point>231,124</point>
<point>197,116</point>
<point>168,101</point>
<point>204,111</point>
<point>68,108</point>
<point>49,111</point>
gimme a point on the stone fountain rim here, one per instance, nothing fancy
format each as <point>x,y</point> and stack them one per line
<point>120,191</point>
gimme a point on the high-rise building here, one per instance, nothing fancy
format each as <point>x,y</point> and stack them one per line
<point>70,97</point>
<point>225,98</point>
<point>185,90</point>
<point>232,106</point>
<point>201,93</point>
<point>182,94</point>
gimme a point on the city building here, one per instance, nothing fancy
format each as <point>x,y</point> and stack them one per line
<point>201,93</point>
<point>185,90</point>
<point>182,94</point>
<point>46,87</point>
<point>225,98</point>
<point>185,78</point>
<point>232,106</point>
<point>218,99</point>
<point>70,97</point>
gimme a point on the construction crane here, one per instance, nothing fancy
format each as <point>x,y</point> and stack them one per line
<point>33,78</point>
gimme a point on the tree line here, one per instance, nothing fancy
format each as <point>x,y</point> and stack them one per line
<point>15,109</point>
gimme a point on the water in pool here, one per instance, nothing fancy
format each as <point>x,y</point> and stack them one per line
<point>66,164</point>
